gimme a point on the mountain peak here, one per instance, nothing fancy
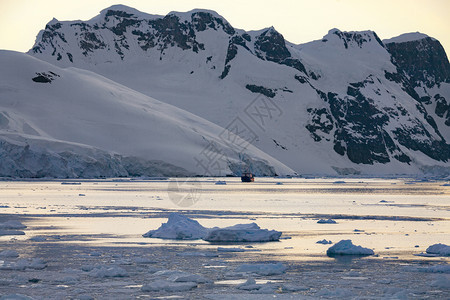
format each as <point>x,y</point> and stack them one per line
<point>123,11</point>
<point>122,8</point>
<point>197,11</point>
<point>407,37</point>
<point>352,38</point>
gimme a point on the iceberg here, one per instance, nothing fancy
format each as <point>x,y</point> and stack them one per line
<point>439,250</point>
<point>242,233</point>
<point>178,227</point>
<point>346,247</point>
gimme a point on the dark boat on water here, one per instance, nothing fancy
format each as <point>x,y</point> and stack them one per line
<point>247,177</point>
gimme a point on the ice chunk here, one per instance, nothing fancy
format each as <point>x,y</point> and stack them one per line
<point>439,249</point>
<point>168,286</point>
<point>326,221</point>
<point>242,233</point>
<point>339,293</point>
<point>15,297</point>
<point>264,269</point>
<point>9,253</point>
<point>11,232</point>
<point>442,281</point>
<point>105,272</point>
<point>23,264</point>
<point>38,238</point>
<point>249,285</point>
<point>198,254</point>
<point>187,277</point>
<point>12,224</point>
<point>178,227</point>
<point>293,288</point>
<point>223,249</point>
<point>144,260</point>
<point>346,247</point>
<point>433,269</point>
<point>324,242</point>
<point>180,276</point>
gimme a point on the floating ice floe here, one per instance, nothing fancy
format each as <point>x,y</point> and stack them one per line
<point>183,228</point>
<point>9,254</point>
<point>324,242</point>
<point>251,285</point>
<point>223,249</point>
<point>293,288</point>
<point>441,281</point>
<point>144,260</point>
<point>12,224</point>
<point>188,277</point>
<point>326,221</point>
<point>23,264</point>
<point>176,281</point>
<point>11,232</point>
<point>16,297</point>
<point>168,286</point>
<point>264,269</point>
<point>439,250</point>
<point>242,233</point>
<point>429,269</point>
<point>108,271</point>
<point>38,238</point>
<point>346,247</point>
<point>178,227</point>
<point>198,254</point>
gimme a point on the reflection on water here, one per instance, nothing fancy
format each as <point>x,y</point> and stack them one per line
<point>392,217</point>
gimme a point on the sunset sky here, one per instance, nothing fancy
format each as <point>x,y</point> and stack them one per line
<point>299,21</point>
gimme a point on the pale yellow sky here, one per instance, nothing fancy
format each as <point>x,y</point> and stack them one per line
<point>299,21</point>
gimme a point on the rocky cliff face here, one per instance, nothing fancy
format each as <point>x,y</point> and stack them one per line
<point>346,102</point>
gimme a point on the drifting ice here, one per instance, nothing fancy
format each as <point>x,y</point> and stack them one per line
<point>345,247</point>
<point>439,249</point>
<point>178,227</point>
<point>242,233</point>
<point>262,269</point>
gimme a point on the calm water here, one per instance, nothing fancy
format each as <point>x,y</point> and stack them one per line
<point>394,217</point>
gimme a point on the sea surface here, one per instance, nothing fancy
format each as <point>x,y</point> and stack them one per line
<point>393,217</point>
<point>83,238</point>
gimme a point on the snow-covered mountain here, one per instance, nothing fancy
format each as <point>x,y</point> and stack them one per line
<point>74,123</point>
<point>347,104</point>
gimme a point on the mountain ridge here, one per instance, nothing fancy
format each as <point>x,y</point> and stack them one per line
<point>348,100</point>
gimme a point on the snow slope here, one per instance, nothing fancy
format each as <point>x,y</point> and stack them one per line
<point>74,123</point>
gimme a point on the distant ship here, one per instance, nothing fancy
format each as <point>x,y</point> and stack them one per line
<point>247,177</point>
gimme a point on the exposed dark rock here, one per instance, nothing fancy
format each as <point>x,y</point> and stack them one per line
<point>442,107</point>
<point>203,20</point>
<point>353,37</point>
<point>45,77</point>
<point>422,60</point>
<point>320,120</point>
<point>301,79</point>
<point>270,45</point>
<point>225,72</point>
<point>435,149</point>
<point>279,145</point>
<point>359,130</point>
<point>247,37</point>
<point>117,13</point>
<point>261,90</point>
